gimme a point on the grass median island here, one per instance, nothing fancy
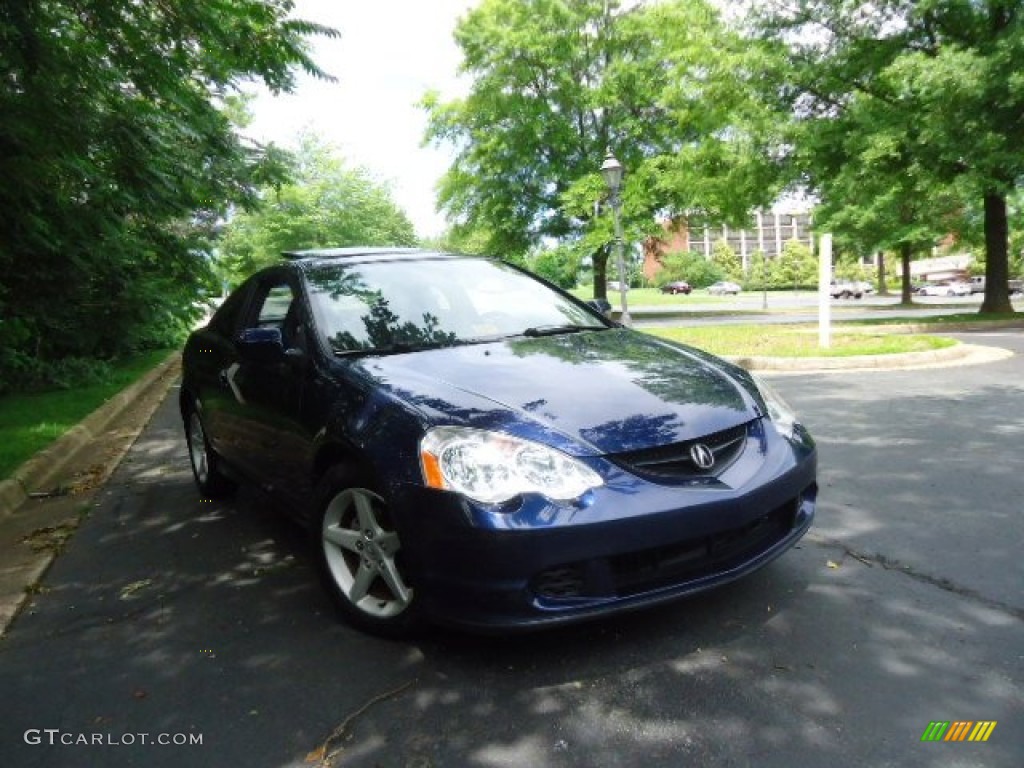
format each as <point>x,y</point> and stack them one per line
<point>30,422</point>
<point>652,297</point>
<point>953,318</point>
<point>798,340</point>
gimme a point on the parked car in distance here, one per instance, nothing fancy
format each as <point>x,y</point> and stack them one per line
<point>615,285</point>
<point>470,446</point>
<point>961,287</point>
<point>723,287</point>
<point>865,286</point>
<point>945,288</point>
<point>845,289</point>
<point>1014,287</point>
<point>677,286</point>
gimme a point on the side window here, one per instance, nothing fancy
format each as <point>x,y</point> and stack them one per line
<point>274,307</point>
<point>280,309</point>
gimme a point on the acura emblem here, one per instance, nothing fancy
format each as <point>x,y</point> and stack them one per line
<point>702,456</point>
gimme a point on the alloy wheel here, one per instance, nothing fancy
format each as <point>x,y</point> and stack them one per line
<point>360,550</point>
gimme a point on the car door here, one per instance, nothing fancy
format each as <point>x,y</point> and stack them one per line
<point>210,355</point>
<point>269,381</point>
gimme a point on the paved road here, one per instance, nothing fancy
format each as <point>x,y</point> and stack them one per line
<point>789,308</point>
<point>169,616</point>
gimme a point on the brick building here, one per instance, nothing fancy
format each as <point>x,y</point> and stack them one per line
<point>768,232</point>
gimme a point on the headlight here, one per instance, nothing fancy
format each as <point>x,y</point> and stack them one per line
<point>491,467</point>
<point>779,412</point>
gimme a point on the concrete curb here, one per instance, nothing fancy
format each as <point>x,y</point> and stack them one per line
<point>46,466</point>
<point>959,354</point>
<point>965,326</point>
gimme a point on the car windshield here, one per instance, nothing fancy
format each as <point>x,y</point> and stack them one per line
<point>402,305</point>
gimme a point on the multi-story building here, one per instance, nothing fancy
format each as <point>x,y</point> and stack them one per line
<point>768,232</point>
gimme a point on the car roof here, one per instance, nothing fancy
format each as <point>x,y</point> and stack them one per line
<point>363,253</point>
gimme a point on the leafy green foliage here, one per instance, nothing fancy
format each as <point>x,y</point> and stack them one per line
<point>29,422</point>
<point>119,157</point>
<point>691,267</point>
<point>727,261</point>
<point>560,266</point>
<point>667,86</point>
<point>472,241</point>
<point>910,115</point>
<point>758,274</point>
<point>326,205</point>
<point>795,268</point>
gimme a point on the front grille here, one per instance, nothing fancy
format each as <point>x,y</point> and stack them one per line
<point>670,565</point>
<point>663,566</point>
<point>675,461</point>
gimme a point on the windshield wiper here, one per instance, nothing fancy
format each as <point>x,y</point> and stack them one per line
<point>396,348</point>
<point>557,330</point>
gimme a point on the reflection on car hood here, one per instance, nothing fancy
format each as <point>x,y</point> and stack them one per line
<point>608,391</point>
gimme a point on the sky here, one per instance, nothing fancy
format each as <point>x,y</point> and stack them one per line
<point>389,54</point>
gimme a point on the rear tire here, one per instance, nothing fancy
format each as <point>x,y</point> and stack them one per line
<point>360,557</point>
<point>206,464</point>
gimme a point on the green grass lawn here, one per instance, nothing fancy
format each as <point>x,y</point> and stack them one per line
<point>29,423</point>
<point>798,340</point>
<point>952,318</point>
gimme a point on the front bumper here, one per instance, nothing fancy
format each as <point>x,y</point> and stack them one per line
<point>629,544</point>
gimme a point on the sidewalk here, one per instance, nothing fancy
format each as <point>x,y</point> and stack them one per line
<point>44,500</point>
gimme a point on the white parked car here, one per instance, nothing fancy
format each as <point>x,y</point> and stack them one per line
<point>865,287</point>
<point>950,288</point>
<point>723,287</point>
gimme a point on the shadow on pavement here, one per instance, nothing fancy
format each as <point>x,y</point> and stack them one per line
<point>170,615</point>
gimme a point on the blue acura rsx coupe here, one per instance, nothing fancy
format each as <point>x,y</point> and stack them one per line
<point>469,445</point>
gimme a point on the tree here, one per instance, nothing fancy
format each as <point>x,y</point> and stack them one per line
<point>875,192</point>
<point>727,261</point>
<point>555,84</point>
<point>691,267</point>
<point>118,158</point>
<point>469,240</point>
<point>325,205</point>
<point>795,267</point>
<point>560,265</point>
<point>937,73</point>
<point>759,276</point>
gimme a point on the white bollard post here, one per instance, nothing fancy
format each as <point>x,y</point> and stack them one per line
<point>824,296</point>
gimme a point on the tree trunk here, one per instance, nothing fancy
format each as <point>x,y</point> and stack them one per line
<point>906,251</point>
<point>997,266</point>
<point>600,261</point>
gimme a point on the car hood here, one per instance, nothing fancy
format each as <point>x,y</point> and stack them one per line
<point>587,393</point>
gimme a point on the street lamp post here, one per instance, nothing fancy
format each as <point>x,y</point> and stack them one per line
<point>611,170</point>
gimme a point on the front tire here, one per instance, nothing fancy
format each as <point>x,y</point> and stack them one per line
<point>360,557</point>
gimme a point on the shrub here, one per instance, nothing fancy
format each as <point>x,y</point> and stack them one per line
<point>22,373</point>
<point>691,267</point>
